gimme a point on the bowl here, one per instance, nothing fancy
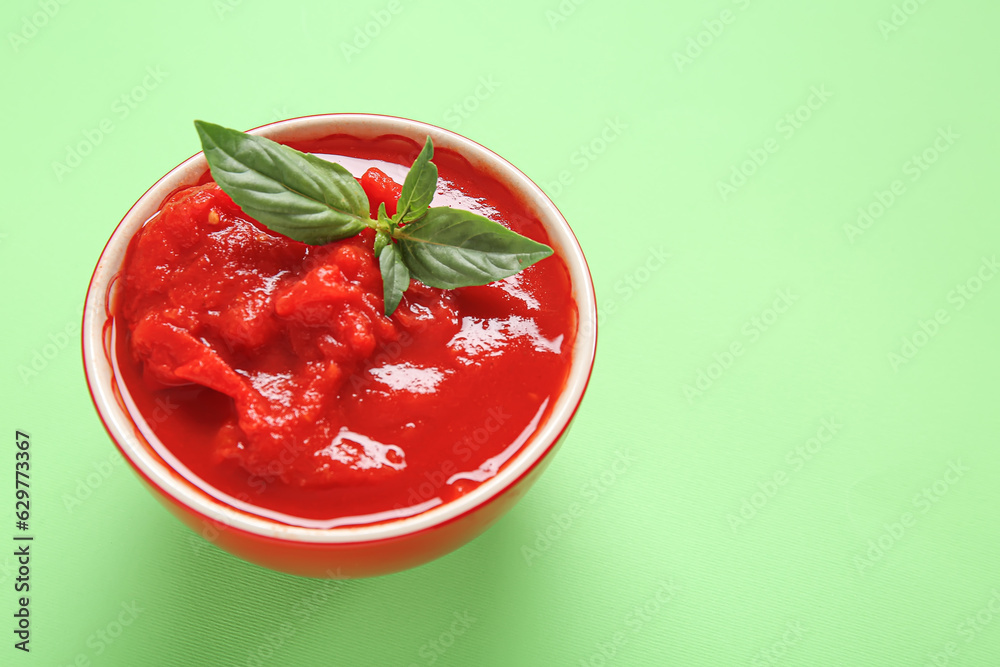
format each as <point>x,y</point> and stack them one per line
<point>346,551</point>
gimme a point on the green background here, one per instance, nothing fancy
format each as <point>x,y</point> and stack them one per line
<point>712,525</point>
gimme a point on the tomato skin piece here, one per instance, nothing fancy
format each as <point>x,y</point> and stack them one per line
<point>380,188</point>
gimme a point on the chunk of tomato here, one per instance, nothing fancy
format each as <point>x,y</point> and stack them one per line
<point>380,189</point>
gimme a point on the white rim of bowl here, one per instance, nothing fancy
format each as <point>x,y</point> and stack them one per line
<point>119,423</point>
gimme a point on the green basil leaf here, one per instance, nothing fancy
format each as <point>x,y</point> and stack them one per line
<point>419,186</point>
<point>385,222</point>
<point>382,235</point>
<point>381,240</point>
<point>299,195</point>
<point>395,276</point>
<point>450,248</point>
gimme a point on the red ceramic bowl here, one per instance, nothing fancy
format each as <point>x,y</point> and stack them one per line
<point>350,551</point>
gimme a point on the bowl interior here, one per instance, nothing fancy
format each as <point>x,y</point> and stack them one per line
<point>133,436</point>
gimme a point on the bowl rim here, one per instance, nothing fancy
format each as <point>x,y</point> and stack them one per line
<point>122,427</point>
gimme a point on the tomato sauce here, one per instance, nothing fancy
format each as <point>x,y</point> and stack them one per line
<point>268,370</point>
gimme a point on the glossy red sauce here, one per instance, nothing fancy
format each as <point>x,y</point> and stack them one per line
<point>268,369</point>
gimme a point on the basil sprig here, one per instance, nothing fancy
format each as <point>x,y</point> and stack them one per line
<point>314,201</point>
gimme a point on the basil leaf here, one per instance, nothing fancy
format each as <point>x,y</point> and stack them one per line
<point>450,248</point>
<point>382,234</point>
<point>385,223</point>
<point>419,186</point>
<point>381,241</point>
<point>301,196</point>
<point>395,276</point>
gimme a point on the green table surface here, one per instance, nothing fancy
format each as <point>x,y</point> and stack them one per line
<point>788,451</point>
